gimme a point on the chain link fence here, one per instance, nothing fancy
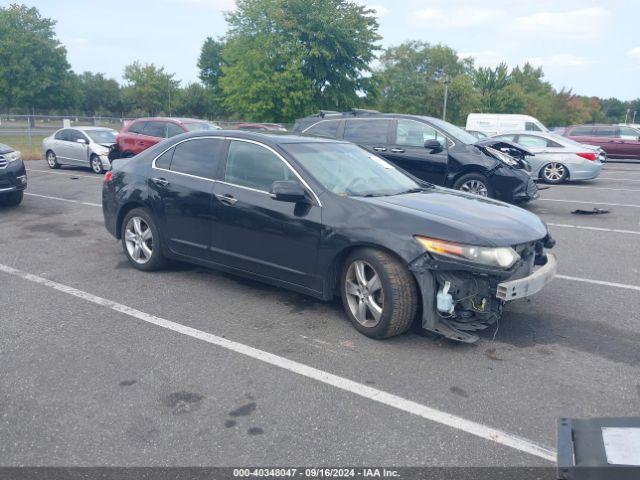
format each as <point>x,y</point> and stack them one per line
<point>26,132</point>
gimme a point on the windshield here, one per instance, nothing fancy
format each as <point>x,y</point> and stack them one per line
<point>102,136</point>
<point>200,126</point>
<point>457,133</point>
<point>348,170</point>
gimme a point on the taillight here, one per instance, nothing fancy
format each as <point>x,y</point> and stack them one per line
<point>108,177</point>
<point>588,156</point>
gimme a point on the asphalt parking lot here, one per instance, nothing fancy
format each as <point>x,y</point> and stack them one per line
<point>105,365</point>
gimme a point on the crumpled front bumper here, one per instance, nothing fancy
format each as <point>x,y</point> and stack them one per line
<point>524,287</point>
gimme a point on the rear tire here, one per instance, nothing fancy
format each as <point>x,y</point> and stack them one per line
<point>475,183</point>
<point>379,294</point>
<point>12,199</point>
<point>52,160</point>
<point>141,241</point>
<point>554,173</point>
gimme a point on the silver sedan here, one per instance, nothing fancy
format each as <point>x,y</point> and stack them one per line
<point>80,146</point>
<point>558,159</point>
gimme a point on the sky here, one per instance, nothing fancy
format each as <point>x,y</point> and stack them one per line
<point>591,47</point>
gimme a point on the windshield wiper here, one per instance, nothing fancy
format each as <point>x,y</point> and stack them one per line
<point>413,190</point>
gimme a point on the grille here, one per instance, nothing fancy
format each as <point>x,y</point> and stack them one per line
<point>3,162</point>
<point>532,188</point>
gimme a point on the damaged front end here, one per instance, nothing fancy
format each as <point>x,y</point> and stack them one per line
<point>460,296</point>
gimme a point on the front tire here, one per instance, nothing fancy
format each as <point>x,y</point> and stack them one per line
<point>379,294</point>
<point>141,241</point>
<point>475,183</point>
<point>52,160</point>
<point>554,173</point>
<point>96,164</point>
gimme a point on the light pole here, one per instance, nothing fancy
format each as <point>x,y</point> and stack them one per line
<point>446,95</point>
<point>626,116</point>
<point>634,117</point>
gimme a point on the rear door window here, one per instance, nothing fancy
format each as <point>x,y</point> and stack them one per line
<point>155,129</point>
<point>585,131</point>
<point>199,157</point>
<point>173,130</point>
<point>605,131</point>
<point>532,127</point>
<point>137,127</point>
<point>367,131</point>
<point>628,133</point>
<point>253,166</point>
<point>325,128</point>
<point>62,135</point>
<point>533,142</point>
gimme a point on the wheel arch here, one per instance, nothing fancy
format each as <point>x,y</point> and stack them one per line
<point>124,210</point>
<point>332,287</point>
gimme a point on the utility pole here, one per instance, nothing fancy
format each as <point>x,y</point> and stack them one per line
<point>169,89</point>
<point>446,95</point>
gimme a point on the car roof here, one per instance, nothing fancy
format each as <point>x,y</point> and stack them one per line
<point>169,119</point>
<point>86,127</point>
<point>266,138</point>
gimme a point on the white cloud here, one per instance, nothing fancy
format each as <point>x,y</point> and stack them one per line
<point>484,58</point>
<point>215,4</point>
<point>455,18</point>
<point>574,24</point>
<point>634,53</point>
<point>381,10</point>
<point>561,60</point>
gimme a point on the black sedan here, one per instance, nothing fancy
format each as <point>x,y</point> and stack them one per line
<point>432,150</point>
<point>13,176</point>
<point>326,218</point>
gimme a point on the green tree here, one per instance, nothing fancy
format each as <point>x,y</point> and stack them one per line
<point>149,89</point>
<point>210,65</point>
<point>99,95</point>
<point>34,72</point>
<point>195,100</point>
<point>410,80</point>
<point>285,58</point>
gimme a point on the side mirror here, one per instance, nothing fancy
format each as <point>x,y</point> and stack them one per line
<point>81,140</point>
<point>434,145</point>
<point>288,191</point>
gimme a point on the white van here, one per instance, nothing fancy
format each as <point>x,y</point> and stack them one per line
<point>494,123</point>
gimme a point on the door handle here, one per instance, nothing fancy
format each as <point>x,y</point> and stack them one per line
<point>380,149</point>
<point>227,199</point>
<point>161,182</point>
<point>397,150</point>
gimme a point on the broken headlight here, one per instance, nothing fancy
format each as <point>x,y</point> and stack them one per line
<point>503,157</point>
<point>501,257</point>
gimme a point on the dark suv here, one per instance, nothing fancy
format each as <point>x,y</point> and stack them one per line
<point>432,150</point>
<point>619,141</point>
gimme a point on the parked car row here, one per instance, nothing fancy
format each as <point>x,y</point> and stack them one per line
<point>616,141</point>
<point>96,147</point>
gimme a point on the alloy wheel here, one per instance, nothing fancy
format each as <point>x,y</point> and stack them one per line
<point>138,238</point>
<point>554,172</point>
<point>476,187</point>
<point>51,159</point>
<point>96,165</point>
<point>365,295</point>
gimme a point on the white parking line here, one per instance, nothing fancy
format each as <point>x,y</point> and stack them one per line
<point>341,383</point>
<point>589,188</point>
<point>63,199</point>
<point>597,229</point>
<point>95,177</point>
<point>599,282</point>
<point>621,179</point>
<point>589,202</point>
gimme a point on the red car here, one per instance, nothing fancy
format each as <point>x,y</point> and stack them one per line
<point>140,134</point>
<point>619,141</point>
